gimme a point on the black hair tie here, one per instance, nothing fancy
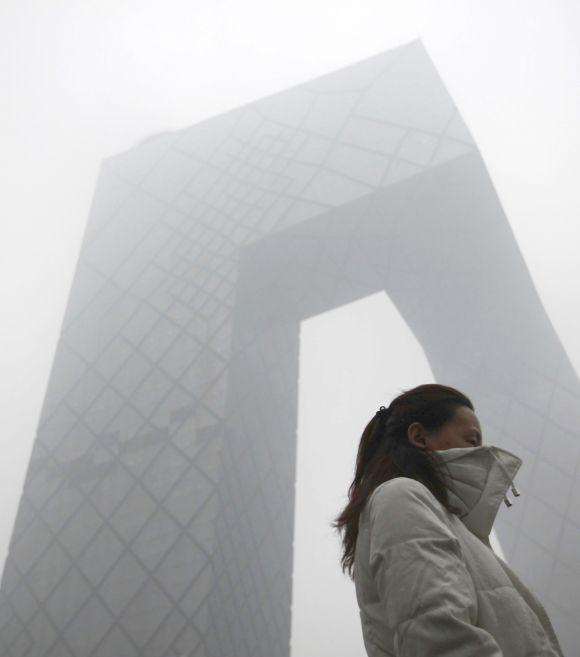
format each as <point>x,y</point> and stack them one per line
<point>383,412</point>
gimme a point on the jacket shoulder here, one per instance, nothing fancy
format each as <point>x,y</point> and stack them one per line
<point>406,503</point>
<point>399,489</point>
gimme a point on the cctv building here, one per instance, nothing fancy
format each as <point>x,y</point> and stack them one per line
<point>157,513</point>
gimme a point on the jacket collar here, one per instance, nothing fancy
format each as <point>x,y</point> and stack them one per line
<point>477,479</point>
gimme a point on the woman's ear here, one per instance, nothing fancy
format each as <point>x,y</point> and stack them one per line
<point>417,435</point>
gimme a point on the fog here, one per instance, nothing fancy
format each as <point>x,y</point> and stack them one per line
<point>83,81</point>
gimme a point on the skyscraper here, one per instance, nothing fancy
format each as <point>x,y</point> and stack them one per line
<point>157,513</point>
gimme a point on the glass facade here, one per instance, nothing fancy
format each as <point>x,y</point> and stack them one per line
<point>156,518</point>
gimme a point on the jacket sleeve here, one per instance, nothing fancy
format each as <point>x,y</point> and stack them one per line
<point>426,592</point>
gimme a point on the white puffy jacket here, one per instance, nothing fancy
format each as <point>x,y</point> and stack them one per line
<point>428,583</point>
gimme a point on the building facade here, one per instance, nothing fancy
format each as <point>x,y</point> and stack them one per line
<point>156,518</point>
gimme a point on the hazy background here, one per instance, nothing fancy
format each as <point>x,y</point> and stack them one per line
<point>84,80</point>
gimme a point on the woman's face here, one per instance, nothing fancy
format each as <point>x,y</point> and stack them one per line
<point>462,430</point>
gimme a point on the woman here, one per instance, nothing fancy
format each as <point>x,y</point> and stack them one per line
<point>416,537</point>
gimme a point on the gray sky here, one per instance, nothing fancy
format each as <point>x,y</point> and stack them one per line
<point>84,80</point>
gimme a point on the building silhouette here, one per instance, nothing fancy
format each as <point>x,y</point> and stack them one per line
<point>156,518</point>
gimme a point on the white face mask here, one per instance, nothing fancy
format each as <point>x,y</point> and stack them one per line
<point>477,479</point>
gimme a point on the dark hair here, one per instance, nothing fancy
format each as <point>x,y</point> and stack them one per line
<point>385,452</point>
